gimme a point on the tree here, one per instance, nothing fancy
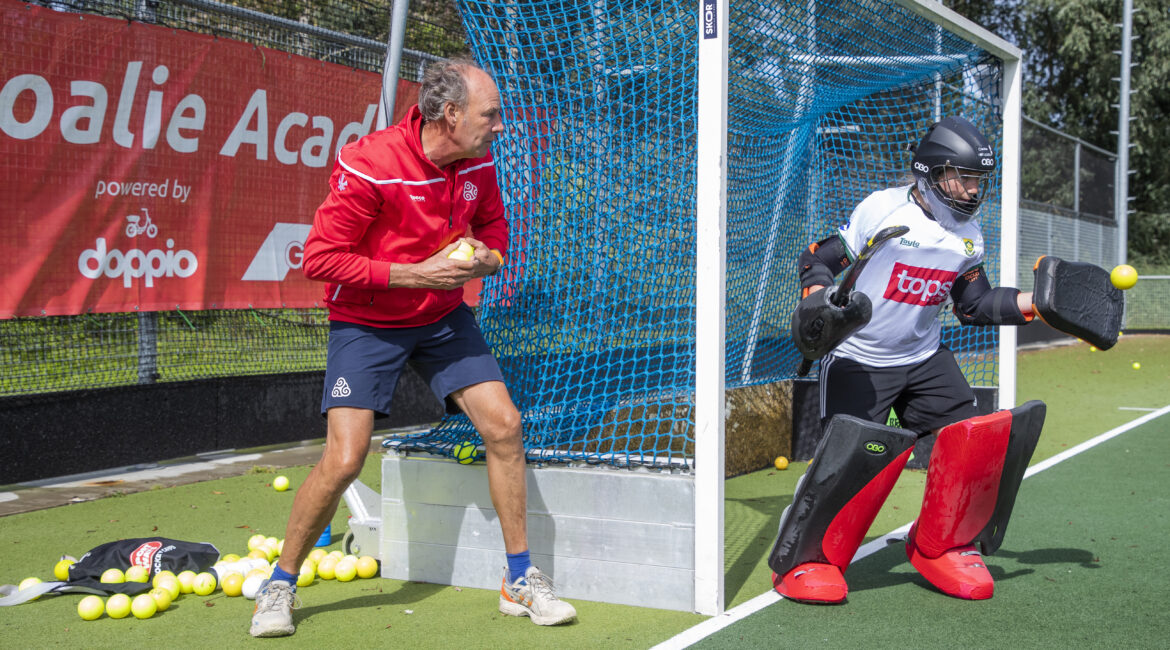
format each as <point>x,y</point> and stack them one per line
<point>1069,73</point>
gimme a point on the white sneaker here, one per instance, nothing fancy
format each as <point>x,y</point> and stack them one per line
<point>275,602</point>
<point>532,596</point>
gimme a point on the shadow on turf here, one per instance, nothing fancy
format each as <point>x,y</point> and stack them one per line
<point>878,570</point>
<point>404,595</point>
<point>1080,556</point>
<point>753,544</point>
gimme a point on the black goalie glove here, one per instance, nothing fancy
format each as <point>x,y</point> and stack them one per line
<point>1078,298</point>
<point>819,324</point>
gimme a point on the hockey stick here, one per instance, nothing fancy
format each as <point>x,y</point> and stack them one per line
<point>841,297</point>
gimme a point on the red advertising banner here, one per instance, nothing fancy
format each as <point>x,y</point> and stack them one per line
<point>144,168</point>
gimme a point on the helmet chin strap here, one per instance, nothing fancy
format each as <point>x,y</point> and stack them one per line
<point>939,210</point>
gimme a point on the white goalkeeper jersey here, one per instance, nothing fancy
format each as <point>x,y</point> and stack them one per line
<point>908,279</point>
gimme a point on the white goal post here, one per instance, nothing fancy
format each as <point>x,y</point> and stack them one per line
<point>662,165</point>
<point>710,296</point>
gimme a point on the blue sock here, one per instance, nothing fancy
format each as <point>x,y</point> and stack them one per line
<point>518,564</point>
<point>280,574</point>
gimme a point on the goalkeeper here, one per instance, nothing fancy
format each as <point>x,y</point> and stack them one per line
<point>897,360</point>
<point>400,202</point>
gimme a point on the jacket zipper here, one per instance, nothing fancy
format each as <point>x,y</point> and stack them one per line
<point>451,204</point>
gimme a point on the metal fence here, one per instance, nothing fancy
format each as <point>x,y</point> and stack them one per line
<point>1067,173</point>
<point>1066,200</point>
<point>1147,304</point>
<point>1050,230</point>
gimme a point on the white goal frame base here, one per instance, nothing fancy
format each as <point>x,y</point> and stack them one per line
<point>616,535</point>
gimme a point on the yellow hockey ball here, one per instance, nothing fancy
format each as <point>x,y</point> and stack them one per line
<point>1123,276</point>
<point>137,574</point>
<point>113,576</point>
<point>28,582</point>
<point>143,606</point>
<point>233,584</point>
<point>203,584</point>
<point>186,581</point>
<point>162,598</point>
<point>91,608</point>
<point>345,570</point>
<point>465,252</point>
<point>367,567</point>
<point>118,606</point>
<point>465,452</point>
<point>61,569</point>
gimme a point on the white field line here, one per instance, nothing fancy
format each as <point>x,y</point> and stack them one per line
<point>712,625</point>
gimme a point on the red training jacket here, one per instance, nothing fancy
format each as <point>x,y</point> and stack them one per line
<point>388,203</point>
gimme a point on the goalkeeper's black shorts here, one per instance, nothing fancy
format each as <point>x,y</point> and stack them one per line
<point>925,396</point>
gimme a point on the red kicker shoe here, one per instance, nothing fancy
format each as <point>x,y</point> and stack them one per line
<point>959,572</point>
<point>812,582</point>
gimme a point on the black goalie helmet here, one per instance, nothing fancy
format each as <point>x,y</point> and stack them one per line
<point>953,163</point>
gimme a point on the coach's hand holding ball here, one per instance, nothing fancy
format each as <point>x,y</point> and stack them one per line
<point>465,252</point>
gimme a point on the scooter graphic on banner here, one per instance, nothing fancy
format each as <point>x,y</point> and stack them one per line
<point>141,224</point>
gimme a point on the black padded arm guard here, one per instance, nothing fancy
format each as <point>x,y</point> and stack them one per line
<point>977,303</point>
<point>821,262</point>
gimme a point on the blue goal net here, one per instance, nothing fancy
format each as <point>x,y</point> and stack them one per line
<point>593,318</point>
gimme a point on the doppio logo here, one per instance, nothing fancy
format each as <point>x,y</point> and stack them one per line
<point>282,250</point>
<point>135,263</point>
<point>914,285</point>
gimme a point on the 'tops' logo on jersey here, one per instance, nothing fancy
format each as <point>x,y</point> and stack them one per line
<point>914,285</point>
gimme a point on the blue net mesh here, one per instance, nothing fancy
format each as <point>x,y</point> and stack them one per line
<point>593,320</point>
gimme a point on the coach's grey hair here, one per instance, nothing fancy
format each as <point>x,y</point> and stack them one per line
<point>442,82</point>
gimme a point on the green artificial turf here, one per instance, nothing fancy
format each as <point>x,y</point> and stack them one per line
<point>1083,390</point>
<point>1078,569</point>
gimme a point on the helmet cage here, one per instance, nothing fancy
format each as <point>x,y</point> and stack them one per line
<point>949,156</point>
<point>942,177</point>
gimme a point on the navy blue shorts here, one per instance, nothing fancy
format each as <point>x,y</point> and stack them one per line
<point>363,363</point>
<point>925,396</point>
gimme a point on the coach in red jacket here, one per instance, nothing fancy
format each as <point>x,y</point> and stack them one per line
<point>400,201</point>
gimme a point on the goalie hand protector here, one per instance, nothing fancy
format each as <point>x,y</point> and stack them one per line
<point>819,325</point>
<point>1078,298</point>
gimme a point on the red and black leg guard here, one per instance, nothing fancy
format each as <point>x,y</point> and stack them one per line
<point>976,467</point>
<point>856,465</point>
<point>1027,421</point>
